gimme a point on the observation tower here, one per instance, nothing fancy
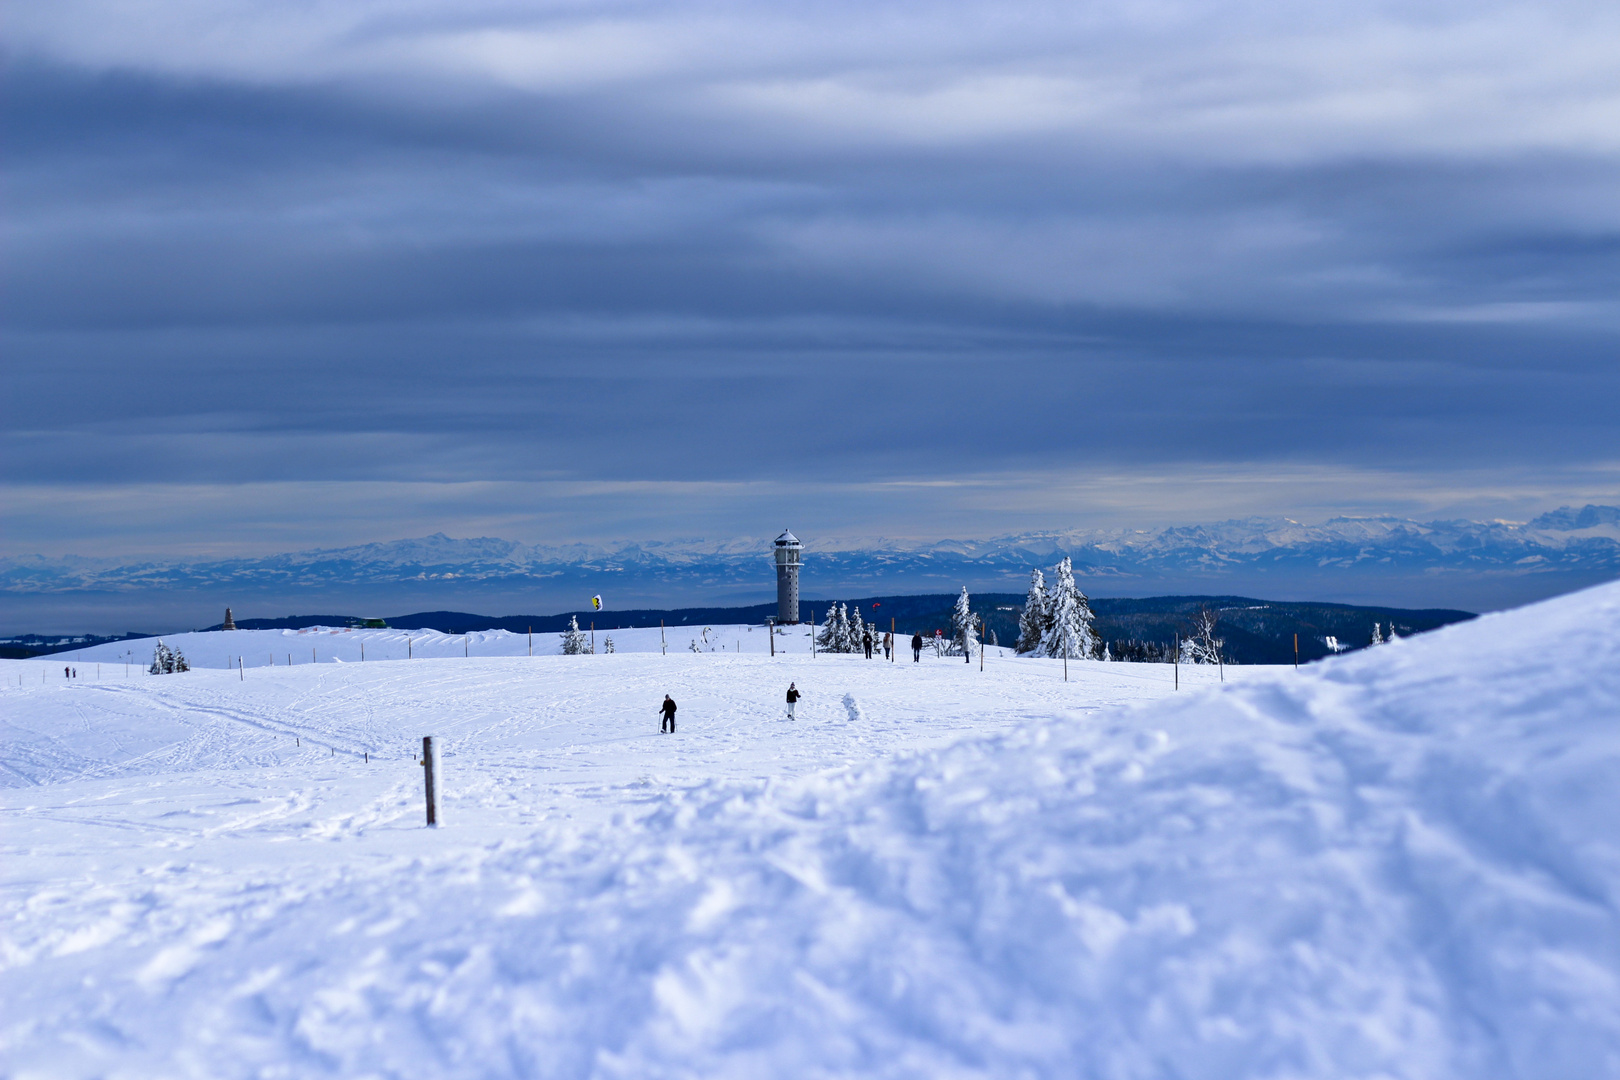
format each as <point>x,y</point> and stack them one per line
<point>788,549</point>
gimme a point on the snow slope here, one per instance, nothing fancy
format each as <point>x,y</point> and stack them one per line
<point>326,644</point>
<point>1400,863</point>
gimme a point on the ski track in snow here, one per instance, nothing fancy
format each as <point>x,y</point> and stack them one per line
<point>1399,863</point>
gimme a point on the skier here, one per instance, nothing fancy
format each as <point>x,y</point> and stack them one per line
<point>888,644</point>
<point>916,647</point>
<point>866,643</point>
<point>792,698</point>
<point>67,673</point>
<point>668,709</point>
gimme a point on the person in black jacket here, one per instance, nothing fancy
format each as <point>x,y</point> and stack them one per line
<point>866,643</point>
<point>916,648</point>
<point>792,697</point>
<point>669,716</point>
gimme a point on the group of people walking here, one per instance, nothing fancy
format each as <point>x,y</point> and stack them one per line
<point>667,709</point>
<point>887,642</point>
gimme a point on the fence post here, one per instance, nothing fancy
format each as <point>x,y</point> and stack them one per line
<point>1296,651</point>
<point>1175,661</point>
<point>428,781</point>
<point>663,646</point>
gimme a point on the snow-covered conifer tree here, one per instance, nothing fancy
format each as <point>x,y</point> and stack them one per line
<point>841,641</point>
<point>181,665</point>
<point>964,629</point>
<point>1378,637</point>
<point>857,627</point>
<point>827,640</point>
<point>1070,632</point>
<point>162,660</point>
<point>573,641</point>
<point>1032,623</point>
<point>607,644</point>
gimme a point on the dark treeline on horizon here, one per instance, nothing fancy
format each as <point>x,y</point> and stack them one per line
<point>1255,631</point>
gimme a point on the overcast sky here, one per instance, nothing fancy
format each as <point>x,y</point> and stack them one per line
<point>281,275</point>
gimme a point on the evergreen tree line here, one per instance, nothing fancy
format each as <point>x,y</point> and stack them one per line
<point>167,661</point>
<point>1057,620</point>
<point>842,631</point>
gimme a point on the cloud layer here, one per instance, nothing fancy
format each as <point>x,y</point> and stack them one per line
<point>769,249</point>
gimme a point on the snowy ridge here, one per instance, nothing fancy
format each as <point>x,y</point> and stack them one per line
<point>1564,541</point>
<point>1400,863</point>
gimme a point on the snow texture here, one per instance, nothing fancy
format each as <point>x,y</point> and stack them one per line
<point>1397,863</point>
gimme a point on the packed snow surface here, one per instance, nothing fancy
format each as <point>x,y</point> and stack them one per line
<point>1398,863</point>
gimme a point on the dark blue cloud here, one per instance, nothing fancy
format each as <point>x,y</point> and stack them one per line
<point>401,271</point>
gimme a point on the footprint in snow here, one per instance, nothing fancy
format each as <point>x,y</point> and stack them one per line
<point>853,707</point>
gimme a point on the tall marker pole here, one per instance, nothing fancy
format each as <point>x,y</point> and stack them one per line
<point>981,643</point>
<point>1175,661</point>
<point>428,782</point>
<point>531,641</point>
<point>894,645</point>
<point>1296,652</point>
<point>663,646</point>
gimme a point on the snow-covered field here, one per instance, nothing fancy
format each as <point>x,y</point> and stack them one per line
<point>1400,863</point>
<point>326,645</point>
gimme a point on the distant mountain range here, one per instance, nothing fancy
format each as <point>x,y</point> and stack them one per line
<point>1469,564</point>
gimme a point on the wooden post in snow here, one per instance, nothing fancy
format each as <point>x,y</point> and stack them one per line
<point>410,649</point>
<point>1296,651</point>
<point>428,781</point>
<point>1065,657</point>
<point>1175,661</point>
<point>593,637</point>
<point>770,632</point>
<point>981,643</point>
<point>531,641</point>
<point>663,646</point>
<point>239,676</point>
<point>894,642</point>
